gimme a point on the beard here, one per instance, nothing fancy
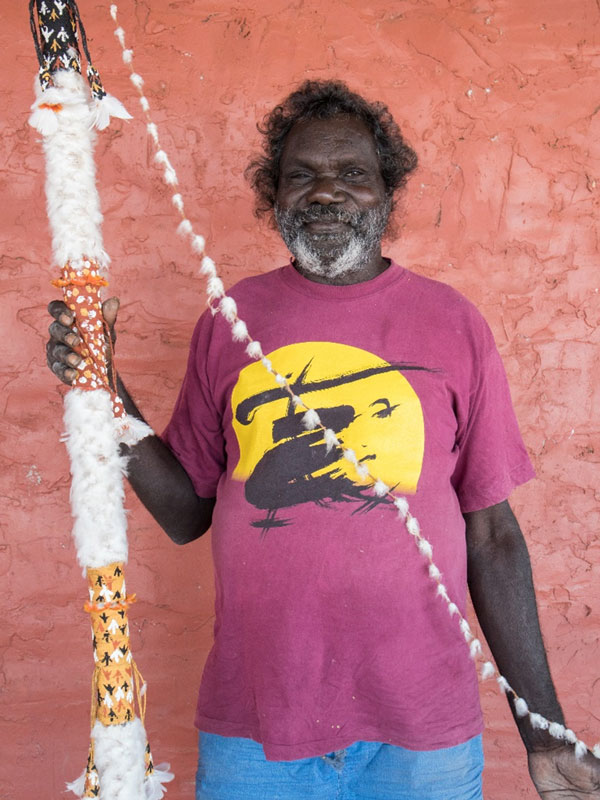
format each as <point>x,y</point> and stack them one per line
<point>330,254</point>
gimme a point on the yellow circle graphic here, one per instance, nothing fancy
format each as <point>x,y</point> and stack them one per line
<point>367,401</point>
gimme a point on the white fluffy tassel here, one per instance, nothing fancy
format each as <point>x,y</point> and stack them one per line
<point>475,648</point>
<point>184,228</point>
<point>228,308</point>
<point>153,785</point>
<point>131,430</point>
<point>580,749</point>
<point>487,671</point>
<point>412,525</point>
<point>425,548</point>
<point>103,110</point>
<point>331,440</point>
<point>239,331</point>
<point>380,488</point>
<point>362,470</point>
<point>521,707</point>
<point>44,120</point>
<point>557,730</point>
<point>254,350</point>
<point>538,721</point>
<point>207,267</point>
<point>198,243</point>
<point>215,288</point>
<point>571,736</point>
<point>401,504</point>
<point>77,786</point>
<point>350,456</point>
<point>311,420</point>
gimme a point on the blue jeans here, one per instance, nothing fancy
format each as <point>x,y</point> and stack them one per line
<point>230,768</point>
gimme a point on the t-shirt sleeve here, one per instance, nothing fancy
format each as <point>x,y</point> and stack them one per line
<point>195,431</point>
<point>492,459</point>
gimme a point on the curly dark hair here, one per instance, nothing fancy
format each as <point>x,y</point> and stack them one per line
<point>324,100</point>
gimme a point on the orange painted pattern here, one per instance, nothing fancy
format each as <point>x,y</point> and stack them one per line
<point>81,286</point>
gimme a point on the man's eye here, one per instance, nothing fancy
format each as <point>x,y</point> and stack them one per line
<point>298,176</point>
<point>354,173</point>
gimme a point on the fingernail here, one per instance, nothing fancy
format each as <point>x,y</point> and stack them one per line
<point>74,359</point>
<point>65,319</point>
<point>72,339</point>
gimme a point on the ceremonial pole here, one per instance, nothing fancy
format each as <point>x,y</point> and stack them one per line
<point>66,114</point>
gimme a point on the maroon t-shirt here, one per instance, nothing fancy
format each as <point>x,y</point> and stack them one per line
<point>328,629</point>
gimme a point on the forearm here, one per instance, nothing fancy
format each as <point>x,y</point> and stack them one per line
<point>501,587</point>
<point>163,485</point>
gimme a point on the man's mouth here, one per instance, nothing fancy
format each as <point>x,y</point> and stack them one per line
<point>326,226</point>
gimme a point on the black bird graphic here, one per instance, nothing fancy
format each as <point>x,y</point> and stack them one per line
<point>387,409</point>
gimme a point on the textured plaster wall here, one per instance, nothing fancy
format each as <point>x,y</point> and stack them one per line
<point>500,99</point>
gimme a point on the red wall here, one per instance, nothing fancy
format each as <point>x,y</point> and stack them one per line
<point>500,100</point>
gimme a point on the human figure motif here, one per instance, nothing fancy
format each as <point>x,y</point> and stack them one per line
<point>336,672</point>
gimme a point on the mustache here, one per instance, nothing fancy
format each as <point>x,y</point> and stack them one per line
<point>320,213</point>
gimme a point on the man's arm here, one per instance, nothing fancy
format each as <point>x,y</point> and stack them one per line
<point>155,474</point>
<point>163,485</point>
<point>501,588</point>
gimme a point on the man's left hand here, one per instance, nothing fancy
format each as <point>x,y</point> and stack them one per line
<point>558,775</point>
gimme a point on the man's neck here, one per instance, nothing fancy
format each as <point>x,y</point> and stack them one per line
<point>372,269</point>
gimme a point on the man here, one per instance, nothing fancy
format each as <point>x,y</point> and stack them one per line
<point>336,671</point>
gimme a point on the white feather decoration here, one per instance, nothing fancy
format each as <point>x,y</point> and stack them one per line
<point>153,785</point>
<point>412,526</point>
<point>331,440</point>
<point>581,749</point>
<point>311,420</point>
<point>103,110</point>
<point>521,707</point>
<point>557,730</point>
<point>487,671</point>
<point>380,488</point>
<point>77,786</point>
<point>254,350</point>
<point>239,331</point>
<point>401,504</point>
<point>538,721</point>
<point>228,308</point>
<point>184,228</point>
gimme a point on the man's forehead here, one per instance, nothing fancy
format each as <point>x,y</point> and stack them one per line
<point>340,133</point>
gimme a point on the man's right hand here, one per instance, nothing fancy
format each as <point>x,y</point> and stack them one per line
<point>157,477</point>
<point>61,356</point>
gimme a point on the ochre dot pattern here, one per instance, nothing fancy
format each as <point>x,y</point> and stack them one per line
<point>81,283</point>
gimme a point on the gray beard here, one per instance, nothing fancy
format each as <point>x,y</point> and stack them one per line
<point>327,254</point>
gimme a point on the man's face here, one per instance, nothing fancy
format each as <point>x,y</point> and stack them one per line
<point>331,205</point>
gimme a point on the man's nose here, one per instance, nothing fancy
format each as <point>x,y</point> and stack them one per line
<point>325,190</point>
